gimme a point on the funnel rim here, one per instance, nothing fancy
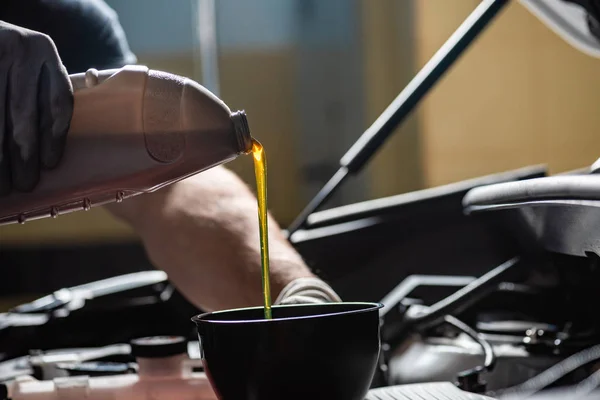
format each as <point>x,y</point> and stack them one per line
<point>201,318</point>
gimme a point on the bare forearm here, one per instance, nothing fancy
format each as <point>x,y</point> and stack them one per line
<point>204,233</point>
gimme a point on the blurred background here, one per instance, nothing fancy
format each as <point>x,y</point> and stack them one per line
<point>312,75</point>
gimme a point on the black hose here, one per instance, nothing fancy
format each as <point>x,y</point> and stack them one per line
<point>461,299</point>
<point>490,357</point>
<point>588,385</point>
<point>552,374</point>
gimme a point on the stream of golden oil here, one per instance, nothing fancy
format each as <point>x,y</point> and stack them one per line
<point>260,170</point>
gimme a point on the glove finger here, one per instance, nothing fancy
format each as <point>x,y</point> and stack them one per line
<point>56,109</point>
<point>50,148</point>
<point>22,126</point>
<point>4,159</point>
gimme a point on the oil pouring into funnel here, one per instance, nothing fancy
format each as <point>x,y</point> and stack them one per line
<point>136,130</point>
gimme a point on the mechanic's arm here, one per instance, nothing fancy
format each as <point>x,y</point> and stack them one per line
<point>203,231</point>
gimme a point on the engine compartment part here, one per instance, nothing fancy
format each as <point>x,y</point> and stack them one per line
<point>131,387</point>
<point>163,371</point>
<point>424,391</point>
<point>434,359</point>
<point>557,372</point>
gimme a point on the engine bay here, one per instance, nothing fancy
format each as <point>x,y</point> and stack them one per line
<point>490,312</point>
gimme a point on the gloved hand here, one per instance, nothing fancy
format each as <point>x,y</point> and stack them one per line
<point>36,104</point>
<point>307,291</point>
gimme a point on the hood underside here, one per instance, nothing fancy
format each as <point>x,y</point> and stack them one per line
<point>575,21</point>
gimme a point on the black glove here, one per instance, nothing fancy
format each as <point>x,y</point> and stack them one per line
<point>36,105</point>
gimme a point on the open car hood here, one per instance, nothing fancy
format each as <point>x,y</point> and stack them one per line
<point>576,21</point>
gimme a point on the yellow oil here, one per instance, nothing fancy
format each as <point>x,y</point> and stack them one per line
<point>260,170</point>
